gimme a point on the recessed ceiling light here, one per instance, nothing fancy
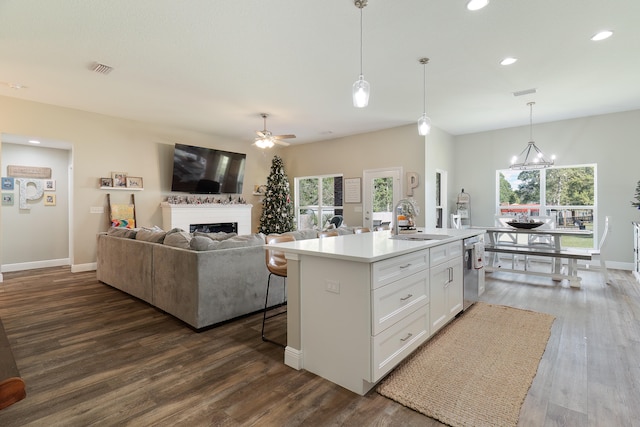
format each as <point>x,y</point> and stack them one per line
<point>477,4</point>
<point>33,141</point>
<point>602,35</point>
<point>508,61</point>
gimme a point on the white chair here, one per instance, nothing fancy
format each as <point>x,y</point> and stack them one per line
<point>456,221</point>
<point>596,254</point>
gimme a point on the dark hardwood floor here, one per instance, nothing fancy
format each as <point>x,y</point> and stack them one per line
<point>92,355</point>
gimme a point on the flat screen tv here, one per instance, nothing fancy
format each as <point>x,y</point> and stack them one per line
<point>202,170</point>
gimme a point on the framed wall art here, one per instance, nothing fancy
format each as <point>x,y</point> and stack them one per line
<point>134,182</point>
<point>49,185</point>
<point>7,183</point>
<point>49,199</point>
<point>119,179</point>
<point>7,199</point>
<point>106,182</point>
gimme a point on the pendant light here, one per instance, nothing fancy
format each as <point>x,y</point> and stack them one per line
<point>424,122</point>
<point>531,157</point>
<point>361,86</point>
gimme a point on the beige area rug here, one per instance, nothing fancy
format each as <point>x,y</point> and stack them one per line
<point>477,370</point>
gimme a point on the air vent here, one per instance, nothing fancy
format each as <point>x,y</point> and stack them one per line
<point>100,68</point>
<point>525,92</point>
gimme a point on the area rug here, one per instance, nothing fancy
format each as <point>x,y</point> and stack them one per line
<point>477,370</point>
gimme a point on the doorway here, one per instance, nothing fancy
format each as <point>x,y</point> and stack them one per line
<point>382,191</point>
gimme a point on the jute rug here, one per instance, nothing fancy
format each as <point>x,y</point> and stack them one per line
<point>477,370</point>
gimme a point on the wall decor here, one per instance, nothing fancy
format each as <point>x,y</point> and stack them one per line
<point>49,184</point>
<point>49,199</point>
<point>7,199</point>
<point>106,182</point>
<point>119,179</point>
<point>23,193</point>
<point>29,172</point>
<point>352,190</point>
<point>133,182</point>
<point>7,183</point>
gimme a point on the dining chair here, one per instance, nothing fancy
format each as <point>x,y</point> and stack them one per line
<point>277,265</point>
<point>328,233</point>
<point>596,254</point>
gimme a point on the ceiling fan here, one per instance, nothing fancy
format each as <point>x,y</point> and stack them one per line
<point>266,139</point>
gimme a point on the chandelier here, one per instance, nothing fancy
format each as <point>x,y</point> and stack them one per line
<point>531,157</point>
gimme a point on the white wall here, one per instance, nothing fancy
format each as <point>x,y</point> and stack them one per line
<point>609,140</point>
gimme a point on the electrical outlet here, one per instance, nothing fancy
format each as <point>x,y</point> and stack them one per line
<point>332,286</point>
<point>96,209</point>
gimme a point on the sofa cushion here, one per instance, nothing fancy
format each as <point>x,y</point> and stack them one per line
<point>122,232</point>
<point>154,235</point>
<point>201,243</point>
<point>243,241</point>
<point>220,236</point>
<point>179,239</point>
<point>303,234</point>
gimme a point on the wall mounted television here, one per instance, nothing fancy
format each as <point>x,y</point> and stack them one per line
<point>200,170</point>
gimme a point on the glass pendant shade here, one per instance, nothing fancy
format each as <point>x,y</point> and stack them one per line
<point>361,92</point>
<point>424,125</point>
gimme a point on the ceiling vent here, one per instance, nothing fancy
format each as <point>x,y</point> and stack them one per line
<point>100,68</point>
<point>525,92</point>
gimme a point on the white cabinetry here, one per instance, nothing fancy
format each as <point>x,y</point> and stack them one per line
<point>446,287</point>
<point>636,250</point>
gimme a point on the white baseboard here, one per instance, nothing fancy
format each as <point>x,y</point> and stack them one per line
<point>6,268</point>
<point>79,268</point>
<point>293,358</point>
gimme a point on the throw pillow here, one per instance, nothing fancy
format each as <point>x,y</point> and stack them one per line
<point>201,243</point>
<point>127,233</point>
<point>180,239</point>
<point>151,235</point>
<point>243,241</point>
<point>219,236</point>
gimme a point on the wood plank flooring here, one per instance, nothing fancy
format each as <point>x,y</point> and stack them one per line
<point>92,355</point>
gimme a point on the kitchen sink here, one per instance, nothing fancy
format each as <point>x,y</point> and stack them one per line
<point>420,236</point>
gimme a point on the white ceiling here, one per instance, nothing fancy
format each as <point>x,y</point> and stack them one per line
<point>214,65</point>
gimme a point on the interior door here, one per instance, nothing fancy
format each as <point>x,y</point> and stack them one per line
<point>382,191</point>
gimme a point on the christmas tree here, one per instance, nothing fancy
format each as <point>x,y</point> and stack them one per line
<point>277,209</point>
<point>637,202</point>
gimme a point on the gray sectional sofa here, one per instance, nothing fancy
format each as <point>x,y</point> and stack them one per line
<point>200,280</point>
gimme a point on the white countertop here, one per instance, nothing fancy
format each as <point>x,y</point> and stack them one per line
<point>371,247</point>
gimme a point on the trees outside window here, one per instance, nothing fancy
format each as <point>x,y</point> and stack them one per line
<point>566,194</point>
<point>317,199</point>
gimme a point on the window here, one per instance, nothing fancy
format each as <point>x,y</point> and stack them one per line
<point>317,199</point>
<point>564,194</point>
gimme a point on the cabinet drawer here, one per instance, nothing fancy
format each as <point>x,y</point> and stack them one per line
<point>442,253</point>
<point>398,341</point>
<point>396,268</point>
<point>396,300</point>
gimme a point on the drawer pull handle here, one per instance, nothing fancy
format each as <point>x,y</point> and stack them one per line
<point>409,335</point>
<point>406,298</point>
<point>405,266</point>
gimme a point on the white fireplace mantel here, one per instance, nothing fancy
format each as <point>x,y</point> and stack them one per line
<point>183,215</point>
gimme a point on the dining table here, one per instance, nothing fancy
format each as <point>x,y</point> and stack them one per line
<point>534,238</point>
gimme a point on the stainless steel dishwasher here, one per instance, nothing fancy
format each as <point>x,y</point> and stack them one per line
<point>473,260</point>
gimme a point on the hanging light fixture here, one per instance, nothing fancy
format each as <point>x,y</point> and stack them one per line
<point>361,86</point>
<point>531,157</point>
<point>424,122</point>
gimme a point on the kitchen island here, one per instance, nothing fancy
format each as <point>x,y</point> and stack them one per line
<point>359,304</point>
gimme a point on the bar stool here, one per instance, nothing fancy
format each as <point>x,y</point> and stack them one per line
<point>361,230</point>
<point>277,265</point>
<point>328,233</point>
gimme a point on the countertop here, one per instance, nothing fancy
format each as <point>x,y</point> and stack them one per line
<point>373,246</point>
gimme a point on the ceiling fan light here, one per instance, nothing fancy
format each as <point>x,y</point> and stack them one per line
<point>361,90</point>
<point>424,125</point>
<point>476,4</point>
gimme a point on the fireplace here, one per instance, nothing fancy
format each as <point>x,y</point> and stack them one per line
<point>227,227</point>
<point>185,216</point>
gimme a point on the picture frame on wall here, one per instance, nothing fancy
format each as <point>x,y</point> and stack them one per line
<point>49,199</point>
<point>106,182</point>
<point>49,185</point>
<point>7,183</point>
<point>119,179</point>
<point>7,199</point>
<point>134,182</point>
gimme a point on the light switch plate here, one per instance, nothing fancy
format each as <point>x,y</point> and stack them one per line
<point>332,286</point>
<point>96,209</point>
